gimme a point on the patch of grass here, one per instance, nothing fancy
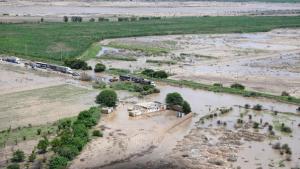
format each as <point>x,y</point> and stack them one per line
<point>114,57</point>
<point>39,41</point>
<point>170,62</point>
<point>91,52</point>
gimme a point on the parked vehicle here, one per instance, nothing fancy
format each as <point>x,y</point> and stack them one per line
<point>12,60</point>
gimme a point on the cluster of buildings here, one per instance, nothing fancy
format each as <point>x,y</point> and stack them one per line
<point>145,108</point>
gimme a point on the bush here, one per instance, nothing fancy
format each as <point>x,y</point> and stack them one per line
<point>18,156</point>
<point>160,74</point>
<point>107,98</point>
<point>76,19</point>
<point>247,106</point>
<point>13,166</point>
<point>255,125</point>
<point>43,145</point>
<point>148,72</point>
<point>174,99</point>
<point>99,67</point>
<point>257,107</point>
<point>38,132</point>
<point>270,128</point>
<point>92,20</point>
<point>66,19</point>
<point>284,93</point>
<point>186,108</point>
<point>218,84</point>
<point>156,74</point>
<point>286,129</point>
<point>68,151</point>
<point>97,133</point>
<point>32,156</point>
<point>58,162</point>
<point>237,86</point>
<point>76,64</point>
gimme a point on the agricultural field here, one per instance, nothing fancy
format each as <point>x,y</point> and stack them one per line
<point>54,42</point>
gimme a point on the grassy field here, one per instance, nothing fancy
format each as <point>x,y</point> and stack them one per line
<point>42,105</point>
<point>55,42</point>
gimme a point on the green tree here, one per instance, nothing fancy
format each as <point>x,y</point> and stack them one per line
<point>13,166</point>
<point>99,67</point>
<point>97,133</point>
<point>174,99</point>
<point>43,145</point>
<point>66,19</point>
<point>68,151</point>
<point>186,108</point>
<point>58,162</point>
<point>107,98</point>
<point>237,86</point>
<point>160,74</point>
<point>18,156</point>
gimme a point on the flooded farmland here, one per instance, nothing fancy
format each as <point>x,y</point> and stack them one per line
<point>158,144</point>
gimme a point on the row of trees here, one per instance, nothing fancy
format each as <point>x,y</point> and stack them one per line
<point>155,74</point>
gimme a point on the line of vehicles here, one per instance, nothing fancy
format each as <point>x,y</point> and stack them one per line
<point>41,65</point>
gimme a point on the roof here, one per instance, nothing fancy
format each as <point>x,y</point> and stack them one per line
<point>149,104</point>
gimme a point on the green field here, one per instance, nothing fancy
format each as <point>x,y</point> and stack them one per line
<point>57,41</point>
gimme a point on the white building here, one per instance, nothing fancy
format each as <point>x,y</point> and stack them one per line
<point>146,107</point>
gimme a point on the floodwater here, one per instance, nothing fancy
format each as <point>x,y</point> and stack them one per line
<point>202,103</point>
<point>105,50</point>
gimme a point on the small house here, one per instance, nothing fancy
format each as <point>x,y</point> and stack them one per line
<point>107,110</point>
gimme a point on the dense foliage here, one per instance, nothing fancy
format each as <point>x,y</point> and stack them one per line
<point>99,67</point>
<point>107,98</point>
<point>72,137</point>
<point>76,64</point>
<point>18,156</point>
<point>186,108</point>
<point>155,74</point>
<point>237,86</point>
<point>174,99</point>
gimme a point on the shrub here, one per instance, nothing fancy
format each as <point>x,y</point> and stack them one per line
<point>76,19</point>
<point>80,129</point>
<point>160,74</point>
<point>186,108</point>
<point>18,156</point>
<point>148,72</point>
<point>76,64</point>
<point>97,133</point>
<point>270,128</point>
<point>276,146</point>
<point>286,129</point>
<point>65,19</point>
<point>43,145</point>
<point>284,93</point>
<point>92,20</point>
<point>79,142</point>
<point>13,166</point>
<point>107,98</point>
<point>255,125</point>
<point>58,162</point>
<point>257,107</point>
<point>68,151</point>
<point>237,86</point>
<point>32,156</point>
<point>218,84</point>
<point>99,67</point>
<point>247,106</point>
<point>174,99</point>
<point>38,132</point>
